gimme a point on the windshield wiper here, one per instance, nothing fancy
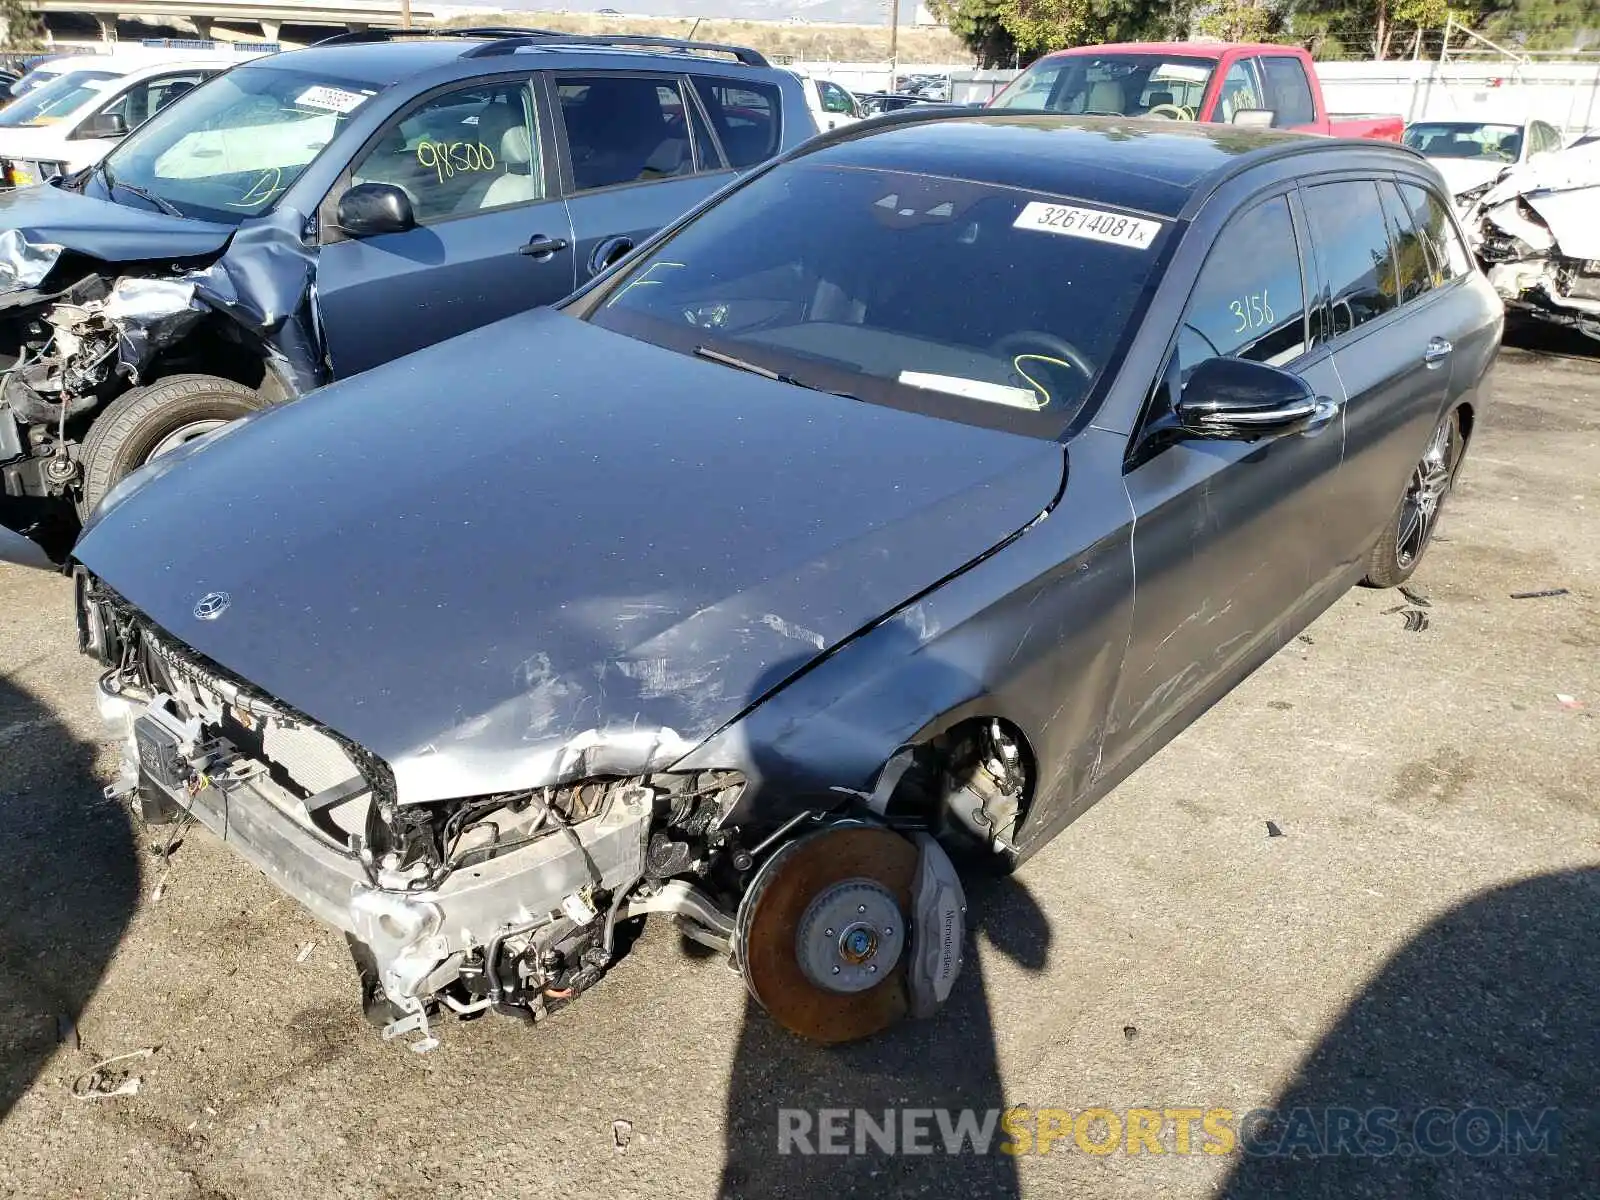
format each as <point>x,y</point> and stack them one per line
<point>112,184</point>
<point>740,364</point>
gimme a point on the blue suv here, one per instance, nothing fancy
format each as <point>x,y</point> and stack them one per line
<point>307,216</point>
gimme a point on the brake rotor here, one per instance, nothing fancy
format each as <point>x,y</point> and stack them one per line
<point>822,932</point>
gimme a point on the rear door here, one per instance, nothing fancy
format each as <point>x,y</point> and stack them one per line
<point>1391,345</point>
<point>1228,541</point>
<point>492,236</point>
<point>636,153</point>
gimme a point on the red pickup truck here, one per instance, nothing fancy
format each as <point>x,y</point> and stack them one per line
<point>1190,81</point>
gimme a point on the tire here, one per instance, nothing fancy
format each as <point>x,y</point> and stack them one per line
<point>148,421</point>
<point>1394,557</point>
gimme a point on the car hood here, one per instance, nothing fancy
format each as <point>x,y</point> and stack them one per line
<point>37,223</point>
<point>543,550</point>
<point>1464,174</point>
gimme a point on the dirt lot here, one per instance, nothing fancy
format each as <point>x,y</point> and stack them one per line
<point>1426,931</point>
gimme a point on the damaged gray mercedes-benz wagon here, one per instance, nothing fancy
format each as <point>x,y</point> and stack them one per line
<point>901,501</point>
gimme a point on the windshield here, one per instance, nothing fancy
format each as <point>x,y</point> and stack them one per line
<point>1126,85</point>
<point>1461,139</point>
<point>235,144</point>
<point>971,301</point>
<point>60,97</point>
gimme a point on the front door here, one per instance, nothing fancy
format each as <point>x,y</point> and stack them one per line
<point>492,238</point>
<point>1228,535</point>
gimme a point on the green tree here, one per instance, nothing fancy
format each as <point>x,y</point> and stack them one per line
<point>1240,21</point>
<point>1003,33</point>
<point>20,26</point>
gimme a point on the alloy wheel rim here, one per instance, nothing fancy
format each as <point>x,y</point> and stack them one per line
<point>1425,494</point>
<point>182,434</point>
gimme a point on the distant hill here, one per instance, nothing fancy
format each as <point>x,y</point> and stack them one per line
<point>846,12</point>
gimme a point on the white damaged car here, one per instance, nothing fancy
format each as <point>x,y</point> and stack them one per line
<point>1536,233</point>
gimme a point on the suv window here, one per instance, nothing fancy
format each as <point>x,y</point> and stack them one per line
<point>624,128</point>
<point>1352,241</point>
<point>144,100</point>
<point>834,98</point>
<point>460,152</point>
<point>745,116</point>
<point>1447,257</point>
<point>1411,256</point>
<point>1249,301</point>
<point>1288,92</point>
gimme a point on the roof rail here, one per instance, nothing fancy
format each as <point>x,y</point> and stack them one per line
<point>475,31</point>
<point>510,45</point>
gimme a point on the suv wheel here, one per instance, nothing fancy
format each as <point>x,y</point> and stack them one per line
<point>147,422</point>
<point>1400,547</point>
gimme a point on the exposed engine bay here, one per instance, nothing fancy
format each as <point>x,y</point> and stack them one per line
<point>93,341</point>
<point>841,919</point>
<point>1534,231</point>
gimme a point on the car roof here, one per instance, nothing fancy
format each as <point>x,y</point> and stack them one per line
<point>1211,50</point>
<point>1151,165</point>
<point>383,63</point>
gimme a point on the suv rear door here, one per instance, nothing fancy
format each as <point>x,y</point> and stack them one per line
<point>492,235</point>
<point>637,152</point>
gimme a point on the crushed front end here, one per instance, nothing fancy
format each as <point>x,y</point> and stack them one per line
<point>508,902</point>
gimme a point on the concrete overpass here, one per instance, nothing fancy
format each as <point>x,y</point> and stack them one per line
<point>205,15</point>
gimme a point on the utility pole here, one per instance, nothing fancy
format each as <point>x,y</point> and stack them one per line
<point>894,43</point>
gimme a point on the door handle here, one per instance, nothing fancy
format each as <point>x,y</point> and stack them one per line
<point>540,246</point>
<point>1438,350</point>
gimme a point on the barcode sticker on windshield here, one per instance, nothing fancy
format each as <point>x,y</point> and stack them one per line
<point>331,99</point>
<point>1089,223</point>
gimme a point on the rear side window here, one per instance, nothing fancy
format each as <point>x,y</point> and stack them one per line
<point>1352,242</point>
<point>1288,92</point>
<point>1447,257</point>
<point>1249,301</point>
<point>1412,265</point>
<point>746,116</point>
<point>624,129</point>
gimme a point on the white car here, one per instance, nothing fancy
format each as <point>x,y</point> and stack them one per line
<point>71,121</point>
<point>831,104</point>
<point>1470,154</point>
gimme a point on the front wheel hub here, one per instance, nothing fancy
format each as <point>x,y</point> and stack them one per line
<point>850,936</point>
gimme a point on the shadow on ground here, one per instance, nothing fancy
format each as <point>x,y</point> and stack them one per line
<point>1492,1007</point>
<point>1541,337</point>
<point>948,1062</point>
<point>71,885</point>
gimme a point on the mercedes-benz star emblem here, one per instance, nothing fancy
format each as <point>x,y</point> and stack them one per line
<point>212,605</point>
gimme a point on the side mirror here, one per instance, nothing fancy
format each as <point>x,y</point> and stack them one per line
<point>1255,118</point>
<point>369,209</point>
<point>104,125</point>
<point>1235,399</point>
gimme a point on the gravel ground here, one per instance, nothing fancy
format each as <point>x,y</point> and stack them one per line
<point>1425,931</point>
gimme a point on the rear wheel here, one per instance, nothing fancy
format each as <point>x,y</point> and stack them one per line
<point>147,422</point>
<point>1399,548</point>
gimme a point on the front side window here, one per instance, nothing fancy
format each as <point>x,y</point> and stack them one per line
<point>746,117</point>
<point>1124,85</point>
<point>235,146</point>
<point>143,100</point>
<point>1447,257</point>
<point>624,129</point>
<point>1249,301</point>
<point>60,97</point>
<point>1352,241</point>
<point>460,153</point>
<point>1239,92</point>
<point>966,300</point>
<point>835,99</point>
<point>1288,92</point>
